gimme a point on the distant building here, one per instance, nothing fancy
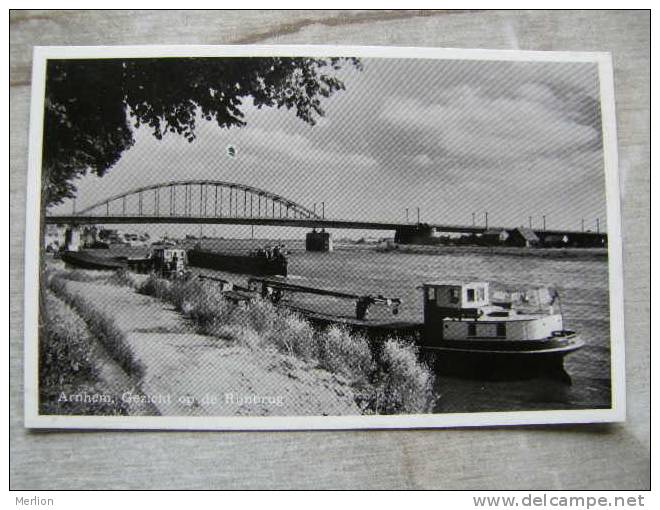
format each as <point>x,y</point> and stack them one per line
<point>494,237</point>
<point>109,235</point>
<point>88,236</point>
<point>555,240</point>
<point>54,237</point>
<point>522,237</point>
<point>588,240</point>
<point>466,240</point>
<point>72,239</point>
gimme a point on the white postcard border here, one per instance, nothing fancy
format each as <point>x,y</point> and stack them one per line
<point>616,413</point>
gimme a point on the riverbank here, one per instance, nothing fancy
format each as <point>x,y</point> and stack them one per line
<point>77,376</point>
<point>539,252</point>
<point>386,375</point>
<point>187,373</point>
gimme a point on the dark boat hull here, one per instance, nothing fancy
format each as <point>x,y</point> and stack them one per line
<point>140,265</point>
<point>244,264</point>
<point>503,360</point>
<point>88,261</point>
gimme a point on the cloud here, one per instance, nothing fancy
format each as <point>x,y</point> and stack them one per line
<point>299,148</point>
<point>471,128</point>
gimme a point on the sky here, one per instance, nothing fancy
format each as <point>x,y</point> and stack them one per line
<point>452,137</point>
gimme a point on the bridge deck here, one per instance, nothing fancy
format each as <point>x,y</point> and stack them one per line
<point>287,222</point>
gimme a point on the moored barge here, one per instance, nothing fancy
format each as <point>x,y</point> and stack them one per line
<point>260,262</point>
<point>472,336</point>
<point>277,290</point>
<point>166,262</point>
<point>517,335</point>
<point>85,260</point>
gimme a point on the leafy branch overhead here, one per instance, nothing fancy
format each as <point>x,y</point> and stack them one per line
<point>90,104</point>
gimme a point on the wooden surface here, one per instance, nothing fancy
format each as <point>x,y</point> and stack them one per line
<point>575,457</point>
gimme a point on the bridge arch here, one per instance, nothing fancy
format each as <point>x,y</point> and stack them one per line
<point>243,201</point>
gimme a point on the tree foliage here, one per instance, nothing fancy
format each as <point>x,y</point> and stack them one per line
<point>91,104</point>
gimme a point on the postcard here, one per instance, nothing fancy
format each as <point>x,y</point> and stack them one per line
<point>321,237</point>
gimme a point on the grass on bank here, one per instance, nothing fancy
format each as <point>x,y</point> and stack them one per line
<point>387,378</point>
<point>67,368</point>
<point>100,326</point>
<point>120,277</point>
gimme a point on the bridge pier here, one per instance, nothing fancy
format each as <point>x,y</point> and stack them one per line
<point>318,241</point>
<point>420,233</point>
<point>72,238</point>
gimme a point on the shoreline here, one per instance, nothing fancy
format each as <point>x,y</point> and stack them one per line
<point>422,249</point>
<point>297,246</point>
<point>189,372</point>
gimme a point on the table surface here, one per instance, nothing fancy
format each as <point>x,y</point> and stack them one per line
<point>539,457</point>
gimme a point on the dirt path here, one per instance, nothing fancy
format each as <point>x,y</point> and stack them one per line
<point>191,374</point>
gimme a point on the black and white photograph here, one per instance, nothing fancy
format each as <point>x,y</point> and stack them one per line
<point>321,237</point>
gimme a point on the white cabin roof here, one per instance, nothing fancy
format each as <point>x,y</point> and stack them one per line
<point>452,283</point>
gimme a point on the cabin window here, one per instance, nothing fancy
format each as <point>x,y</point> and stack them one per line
<point>431,294</point>
<point>453,296</point>
<point>501,329</point>
<point>470,295</point>
<point>481,294</point>
<point>472,329</point>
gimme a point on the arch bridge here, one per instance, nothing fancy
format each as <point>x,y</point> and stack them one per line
<point>222,202</point>
<point>197,199</point>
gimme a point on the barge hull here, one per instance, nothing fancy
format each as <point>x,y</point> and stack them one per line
<point>373,329</point>
<point>89,261</point>
<point>502,363</point>
<point>243,264</point>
